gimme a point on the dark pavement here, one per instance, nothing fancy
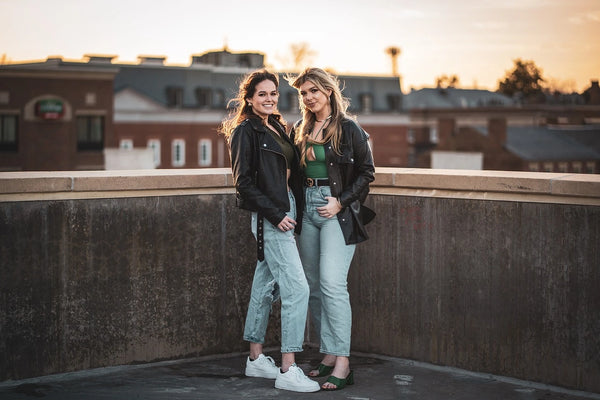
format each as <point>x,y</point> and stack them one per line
<point>221,377</point>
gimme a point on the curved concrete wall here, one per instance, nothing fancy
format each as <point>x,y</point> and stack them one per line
<point>488,271</point>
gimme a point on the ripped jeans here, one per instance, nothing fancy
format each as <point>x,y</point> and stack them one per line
<point>279,275</point>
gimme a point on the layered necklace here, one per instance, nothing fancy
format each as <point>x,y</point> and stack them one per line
<point>325,122</point>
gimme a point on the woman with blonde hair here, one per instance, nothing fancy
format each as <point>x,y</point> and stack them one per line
<point>265,168</point>
<point>337,166</point>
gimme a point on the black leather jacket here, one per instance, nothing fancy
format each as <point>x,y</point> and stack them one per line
<point>260,172</point>
<point>350,174</point>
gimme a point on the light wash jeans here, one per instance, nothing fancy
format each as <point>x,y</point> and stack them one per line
<point>279,275</point>
<point>326,259</point>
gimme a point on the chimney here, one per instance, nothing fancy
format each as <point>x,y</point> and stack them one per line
<point>152,60</point>
<point>99,59</point>
<point>594,93</point>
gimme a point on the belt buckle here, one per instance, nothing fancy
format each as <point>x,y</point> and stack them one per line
<point>310,182</point>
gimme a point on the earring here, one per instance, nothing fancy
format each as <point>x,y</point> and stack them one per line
<point>249,104</point>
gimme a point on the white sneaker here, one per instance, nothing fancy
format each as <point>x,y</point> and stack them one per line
<point>295,380</point>
<point>262,367</point>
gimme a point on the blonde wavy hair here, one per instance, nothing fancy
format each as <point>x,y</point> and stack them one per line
<point>324,81</point>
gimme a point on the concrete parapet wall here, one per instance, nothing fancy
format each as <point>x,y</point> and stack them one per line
<point>488,271</point>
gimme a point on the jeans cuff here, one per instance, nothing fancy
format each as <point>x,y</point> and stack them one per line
<point>253,340</point>
<point>334,353</point>
<point>292,350</point>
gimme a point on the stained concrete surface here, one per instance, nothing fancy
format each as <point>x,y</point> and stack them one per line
<point>222,378</point>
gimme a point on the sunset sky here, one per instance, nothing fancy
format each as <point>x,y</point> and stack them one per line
<point>477,40</point>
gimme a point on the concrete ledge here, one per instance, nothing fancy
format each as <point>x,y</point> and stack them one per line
<point>483,185</point>
<point>490,185</point>
<point>450,276</point>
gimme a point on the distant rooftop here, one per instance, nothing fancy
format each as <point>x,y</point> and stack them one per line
<point>454,98</point>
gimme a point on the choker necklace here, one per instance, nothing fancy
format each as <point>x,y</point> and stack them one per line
<point>323,120</point>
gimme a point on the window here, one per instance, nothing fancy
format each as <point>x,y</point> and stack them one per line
<point>563,167</point>
<point>154,144</point>
<point>244,61</point>
<point>4,97</point>
<point>294,101</point>
<point>126,144</point>
<point>366,103</point>
<point>393,102</point>
<point>533,166</point>
<point>204,97</point>
<point>90,133</point>
<point>178,153</point>
<point>90,99</point>
<point>289,102</point>
<point>590,167</point>
<point>433,134</point>
<point>205,152</point>
<point>219,98</point>
<point>548,167</point>
<point>8,132</point>
<point>577,168</point>
<point>175,96</point>
<point>410,137</point>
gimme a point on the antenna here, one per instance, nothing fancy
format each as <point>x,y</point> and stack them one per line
<point>225,44</point>
<point>394,52</point>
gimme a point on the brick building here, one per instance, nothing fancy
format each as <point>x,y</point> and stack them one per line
<point>478,129</point>
<point>55,118</point>
<point>68,115</point>
<point>174,110</point>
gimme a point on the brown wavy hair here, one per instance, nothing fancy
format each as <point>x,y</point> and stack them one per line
<point>241,109</point>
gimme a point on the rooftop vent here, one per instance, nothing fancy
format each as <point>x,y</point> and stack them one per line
<point>99,59</point>
<point>152,60</point>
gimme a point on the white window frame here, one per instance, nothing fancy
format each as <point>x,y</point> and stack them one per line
<point>410,136</point>
<point>433,134</point>
<point>178,148</point>
<point>590,167</point>
<point>563,167</point>
<point>204,152</point>
<point>154,144</point>
<point>126,144</point>
<point>90,99</point>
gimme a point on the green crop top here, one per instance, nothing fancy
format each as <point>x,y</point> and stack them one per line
<point>318,167</point>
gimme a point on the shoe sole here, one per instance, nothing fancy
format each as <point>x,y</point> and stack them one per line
<point>259,375</point>
<point>299,390</point>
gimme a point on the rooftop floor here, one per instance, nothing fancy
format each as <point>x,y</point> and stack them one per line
<point>221,377</point>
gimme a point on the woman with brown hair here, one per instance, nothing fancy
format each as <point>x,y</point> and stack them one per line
<point>265,167</point>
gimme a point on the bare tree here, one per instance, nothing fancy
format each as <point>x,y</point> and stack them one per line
<point>300,56</point>
<point>446,81</point>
